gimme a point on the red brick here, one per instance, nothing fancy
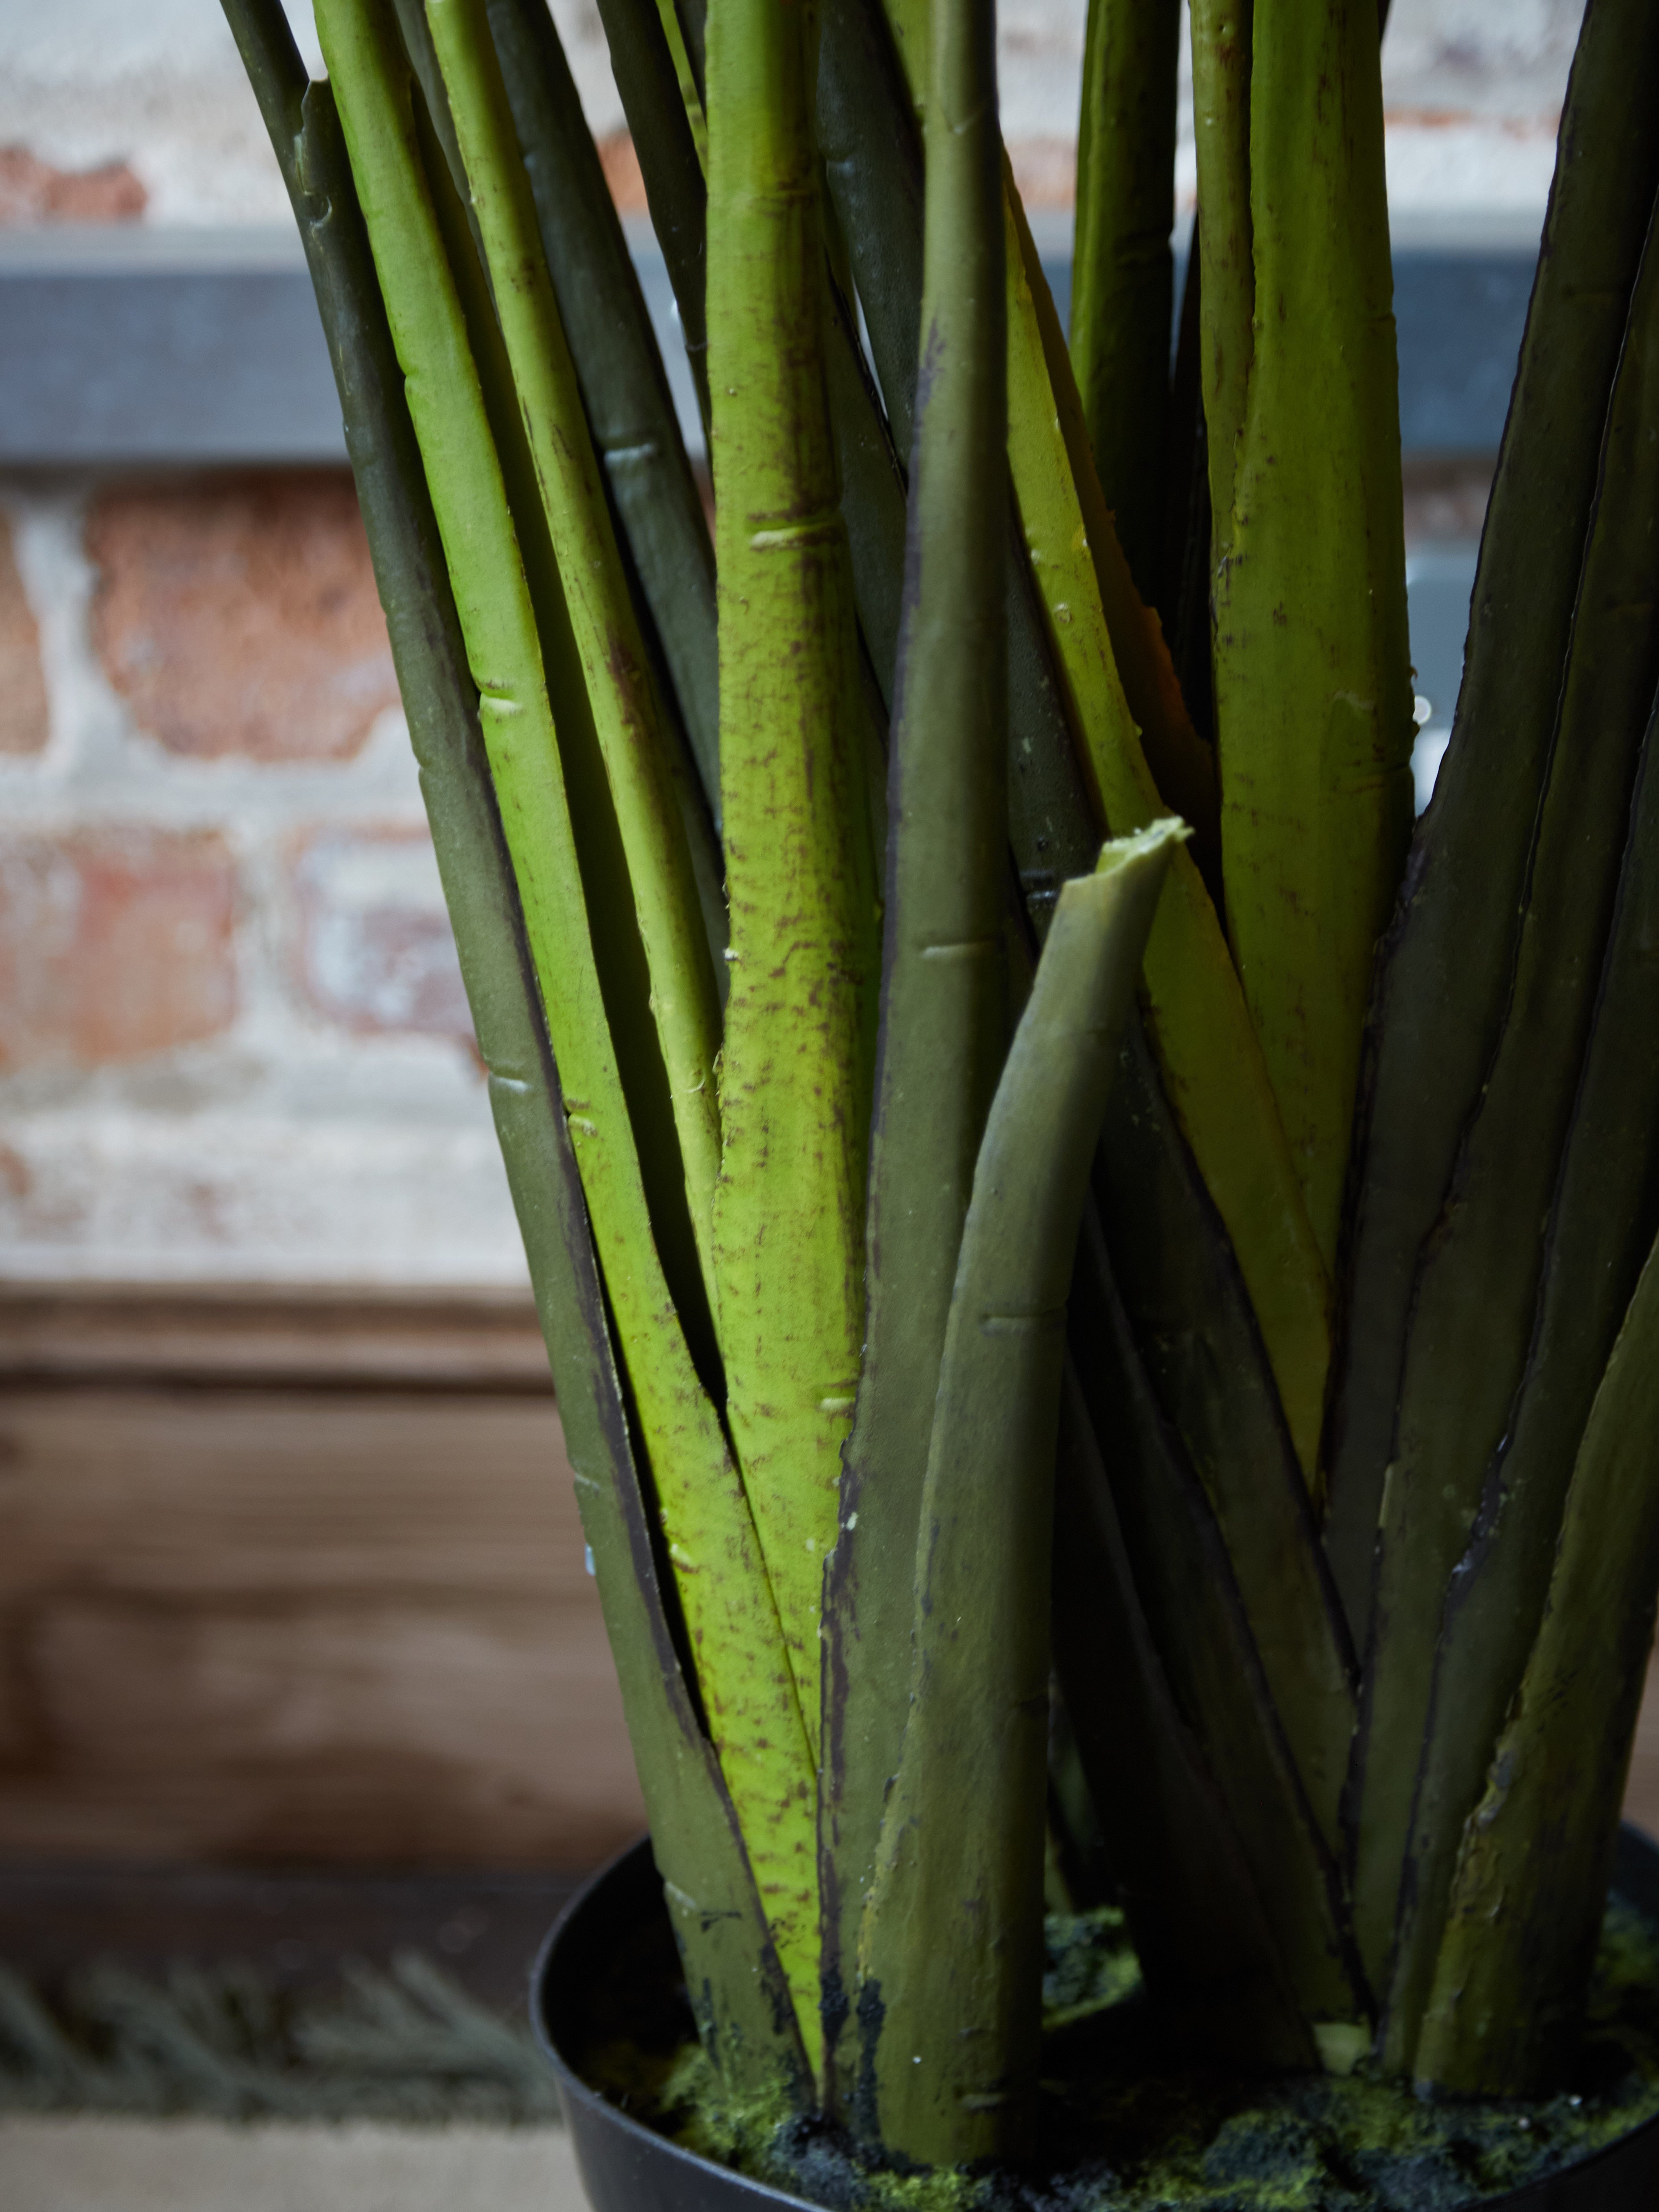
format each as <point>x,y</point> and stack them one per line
<point>375,951</point>
<point>620,165</point>
<point>32,191</point>
<point>237,615</point>
<point>114,943</point>
<point>1045,169</point>
<point>22,686</point>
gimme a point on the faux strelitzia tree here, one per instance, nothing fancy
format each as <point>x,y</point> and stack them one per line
<point>1045,1198</point>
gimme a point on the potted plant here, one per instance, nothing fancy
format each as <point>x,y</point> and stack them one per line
<point>1098,1281</point>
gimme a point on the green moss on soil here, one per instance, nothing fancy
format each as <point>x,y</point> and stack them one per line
<point>1129,2125</point>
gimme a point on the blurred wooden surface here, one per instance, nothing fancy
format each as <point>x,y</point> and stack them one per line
<point>289,1580</point>
<point>301,1579</point>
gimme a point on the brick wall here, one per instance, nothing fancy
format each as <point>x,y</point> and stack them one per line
<point>232,1041</point>
<point>1473,89</point>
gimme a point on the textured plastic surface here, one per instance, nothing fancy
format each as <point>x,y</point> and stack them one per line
<point>626,2169</point>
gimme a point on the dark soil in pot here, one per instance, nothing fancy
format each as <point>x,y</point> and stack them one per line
<point>1127,2126</point>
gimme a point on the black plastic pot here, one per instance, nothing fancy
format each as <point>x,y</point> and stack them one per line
<point>626,2169</point>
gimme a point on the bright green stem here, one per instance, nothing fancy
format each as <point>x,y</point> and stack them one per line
<point>951,1947</point>
<point>624,977</point>
<point>741,1668</point>
<point>731,1969</point>
<point>1443,987</point>
<point>872,480</point>
<point>796,1075</point>
<point>416,36</point>
<point>910,19</point>
<point>1532,1877</point>
<point>1123,269</point>
<point>944,1016</point>
<point>626,716</point>
<point>1312,666</point>
<point>624,391</point>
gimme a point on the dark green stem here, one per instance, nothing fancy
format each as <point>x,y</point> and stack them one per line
<point>951,1953</point>
<point>1532,1878</point>
<point>1439,1007</point>
<point>1216,1653</point>
<point>1475,1300</point>
<point>667,152</point>
<point>1123,269</point>
<point>1213,1963</point>
<point>944,1019</point>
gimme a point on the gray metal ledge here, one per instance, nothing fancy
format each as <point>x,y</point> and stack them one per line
<point>125,345</point>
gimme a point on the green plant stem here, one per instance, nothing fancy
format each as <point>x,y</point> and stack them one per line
<point>1149,736</point>
<point>687,72</point>
<point>951,1952</point>
<point>1604,1217</point>
<point>872,163</point>
<point>1532,1875</point>
<point>624,391</point>
<point>1198,1343</point>
<point>870,98</point>
<point>729,1965</point>
<point>1122,269</point>
<point>944,1011</point>
<point>692,17</point>
<point>669,164</point>
<point>873,495</point>
<point>1212,1966</point>
<point>415,35</point>
<point>800,1030</point>
<point>873,169</point>
<point>1183,593</point>
<point>1183,1286</point>
<point>624,975</point>
<point>1213,1065</point>
<point>1440,999</point>
<point>871,149</point>
<point>654,499</point>
<point>742,1667</point>
<point>1221,124</point>
<point>1185,1292</point>
<point>866,126</point>
<point>873,483</point>
<point>1476,1291</point>
<point>1115,676</point>
<point>1313,695</point>
<point>684,1001</point>
<point>1215,1648</point>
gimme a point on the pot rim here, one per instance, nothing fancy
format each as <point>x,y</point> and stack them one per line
<point>1636,1852</point>
<point>571,2084</point>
